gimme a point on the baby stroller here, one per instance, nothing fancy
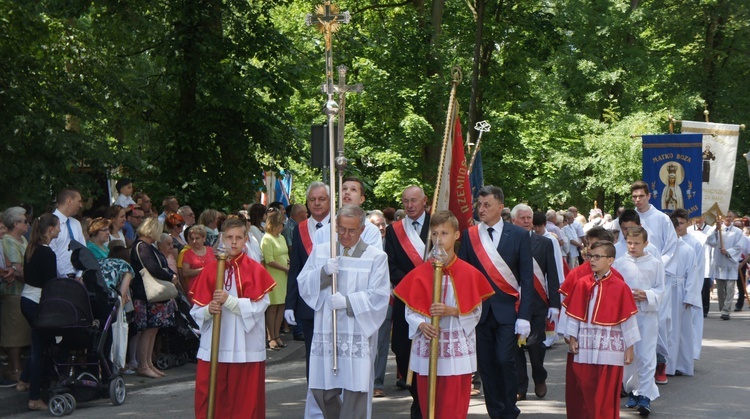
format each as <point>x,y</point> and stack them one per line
<point>179,344</point>
<point>80,317</point>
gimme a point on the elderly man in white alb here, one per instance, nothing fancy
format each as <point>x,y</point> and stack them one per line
<point>359,306</point>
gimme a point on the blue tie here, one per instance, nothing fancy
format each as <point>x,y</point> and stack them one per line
<point>319,225</point>
<point>490,231</point>
<point>70,230</point>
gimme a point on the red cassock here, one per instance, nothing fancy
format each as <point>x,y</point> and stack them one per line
<point>593,391</point>
<point>240,387</point>
<point>470,288</point>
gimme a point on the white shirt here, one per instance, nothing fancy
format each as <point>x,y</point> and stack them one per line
<point>60,244</point>
<point>498,230</point>
<point>419,220</point>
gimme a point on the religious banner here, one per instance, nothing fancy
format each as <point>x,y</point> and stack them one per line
<point>718,158</point>
<point>455,191</point>
<point>672,169</point>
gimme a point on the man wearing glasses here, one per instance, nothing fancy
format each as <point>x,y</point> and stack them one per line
<point>134,218</point>
<point>359,305</point>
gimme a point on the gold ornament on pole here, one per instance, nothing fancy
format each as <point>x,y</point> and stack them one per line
<point>438,261</point>
<point>221,258</point>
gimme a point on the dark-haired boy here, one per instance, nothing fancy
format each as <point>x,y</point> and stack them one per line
<point>572,388</point>
<point>602,330</point>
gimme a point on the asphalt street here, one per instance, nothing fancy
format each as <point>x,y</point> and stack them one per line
<point>720,387</point>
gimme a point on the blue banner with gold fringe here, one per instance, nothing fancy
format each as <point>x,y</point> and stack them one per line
<point>672,168</point>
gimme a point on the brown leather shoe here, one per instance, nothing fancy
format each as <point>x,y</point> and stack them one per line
<point>378,392</point>
<point>520,396</point>
<point>540,389</point>
<point>475,392</point>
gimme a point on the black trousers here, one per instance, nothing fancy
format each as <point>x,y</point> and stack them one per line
<point>401,346</point>
<point>706,295</point>
<point>536,348</point>
<point>497,348</point>
<point>741,284</point>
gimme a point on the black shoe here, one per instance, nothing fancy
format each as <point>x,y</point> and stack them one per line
<point>299,337</point>
<point>725,316</point>
<point>401,383</point>
<point>738,309</point>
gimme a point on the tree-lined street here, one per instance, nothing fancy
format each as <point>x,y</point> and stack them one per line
<point>720,387</point>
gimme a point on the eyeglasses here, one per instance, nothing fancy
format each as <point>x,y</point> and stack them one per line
<point>347,231</point>
<point>595,258</point>
<point>23,221</point>
<point>181,225</point>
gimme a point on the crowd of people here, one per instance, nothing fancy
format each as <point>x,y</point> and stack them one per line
<point>514,283</point>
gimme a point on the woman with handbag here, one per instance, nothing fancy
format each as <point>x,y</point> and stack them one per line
<point>40,265</point>
<point>151,314</point>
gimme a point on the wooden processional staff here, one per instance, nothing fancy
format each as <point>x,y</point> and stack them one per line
<point>221,258</point>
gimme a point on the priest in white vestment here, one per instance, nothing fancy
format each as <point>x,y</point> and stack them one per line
<point>359,305</point>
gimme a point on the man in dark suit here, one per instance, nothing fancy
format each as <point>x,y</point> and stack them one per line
<point>546,300</point>
<point>502,252</point>
<point>295,308</point>
<point>404,243</point>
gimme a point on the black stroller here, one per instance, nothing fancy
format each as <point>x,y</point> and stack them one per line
<point>80,316</point>
<point>179,344</point>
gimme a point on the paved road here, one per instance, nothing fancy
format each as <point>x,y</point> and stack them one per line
<point>720,388</point>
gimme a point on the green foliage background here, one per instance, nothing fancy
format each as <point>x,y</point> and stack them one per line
<point>197,98</point>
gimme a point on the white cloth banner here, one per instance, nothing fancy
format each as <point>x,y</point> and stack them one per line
<point>719,157</point>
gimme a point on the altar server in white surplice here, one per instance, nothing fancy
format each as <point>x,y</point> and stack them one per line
<point>686,286</point>
<point>360,306</point>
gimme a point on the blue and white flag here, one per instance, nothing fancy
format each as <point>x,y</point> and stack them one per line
<point>672,168</point>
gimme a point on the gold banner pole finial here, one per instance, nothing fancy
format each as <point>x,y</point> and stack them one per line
<point>438,261</point>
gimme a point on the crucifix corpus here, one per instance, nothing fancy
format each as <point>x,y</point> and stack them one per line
<point>328,19</point>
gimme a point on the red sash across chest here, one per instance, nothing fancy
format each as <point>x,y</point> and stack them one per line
<point>304,234</point>
<point>492,271</point>
<point>406,244</point>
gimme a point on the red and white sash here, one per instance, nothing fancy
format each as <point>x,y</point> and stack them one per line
<point>305,235</point>
<point>410,241</point>
<point>540,282</point>
<point>494,264</point>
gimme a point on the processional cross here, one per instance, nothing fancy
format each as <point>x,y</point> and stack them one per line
<point>328,19</point>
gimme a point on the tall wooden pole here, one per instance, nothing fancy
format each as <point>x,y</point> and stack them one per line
<point>221,258</point>
<point>437,288</point>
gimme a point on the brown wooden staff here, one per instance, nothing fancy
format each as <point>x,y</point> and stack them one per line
<point>221,258</point>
